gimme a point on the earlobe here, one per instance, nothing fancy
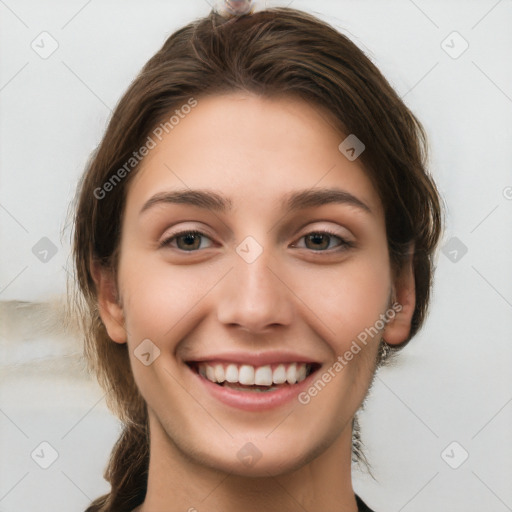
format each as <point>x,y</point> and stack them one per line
<point>110,310</point>
<point>398,328</point>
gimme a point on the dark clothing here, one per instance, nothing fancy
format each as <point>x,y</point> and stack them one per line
<point>362,506</point>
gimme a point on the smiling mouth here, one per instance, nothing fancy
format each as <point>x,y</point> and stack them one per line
<point>245,377</point>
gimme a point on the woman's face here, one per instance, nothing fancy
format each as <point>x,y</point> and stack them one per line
<point>280,281</point>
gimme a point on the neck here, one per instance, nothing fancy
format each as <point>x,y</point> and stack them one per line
<point>178,482</point>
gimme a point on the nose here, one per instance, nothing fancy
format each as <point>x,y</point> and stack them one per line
<point>255,296</point>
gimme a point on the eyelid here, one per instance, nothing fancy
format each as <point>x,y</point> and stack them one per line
<point>341,231</point>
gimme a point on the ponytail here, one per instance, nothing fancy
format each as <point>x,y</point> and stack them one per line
<point>127,472</point>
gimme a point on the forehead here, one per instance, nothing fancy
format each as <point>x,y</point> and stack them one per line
<point>252,149</point>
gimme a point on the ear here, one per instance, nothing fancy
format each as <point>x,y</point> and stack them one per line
<point>404,301</point>
<point>110,310</point>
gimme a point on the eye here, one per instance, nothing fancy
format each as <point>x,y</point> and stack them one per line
<point>320,241</point>
<point>186,240</point>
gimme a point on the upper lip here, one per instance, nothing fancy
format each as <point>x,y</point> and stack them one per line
<point>256,358</point>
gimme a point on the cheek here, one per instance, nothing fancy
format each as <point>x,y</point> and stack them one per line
<point>349,299</point>
<point>158,298</point>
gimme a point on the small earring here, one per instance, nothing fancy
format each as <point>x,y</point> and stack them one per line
<point>384,352</point>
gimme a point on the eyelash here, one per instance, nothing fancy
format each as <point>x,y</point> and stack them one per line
<point>344,244</point>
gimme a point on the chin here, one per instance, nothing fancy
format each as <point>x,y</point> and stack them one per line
<point>256,457</point>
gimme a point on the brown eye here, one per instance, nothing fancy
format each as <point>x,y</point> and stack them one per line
<point>318,241</point>
<point>322,241</point>
<point>186,240</point>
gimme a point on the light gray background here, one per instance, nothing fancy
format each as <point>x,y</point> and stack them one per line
<point>453,382</point>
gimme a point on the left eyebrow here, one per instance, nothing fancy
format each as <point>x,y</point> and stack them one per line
<point>297,200</point>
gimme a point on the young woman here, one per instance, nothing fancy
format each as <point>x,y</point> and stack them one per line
<point>253,235</point>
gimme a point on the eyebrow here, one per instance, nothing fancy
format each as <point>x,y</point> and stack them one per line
<point>298,200</point>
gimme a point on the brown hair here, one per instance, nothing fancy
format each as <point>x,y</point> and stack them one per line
<point>273,52</point>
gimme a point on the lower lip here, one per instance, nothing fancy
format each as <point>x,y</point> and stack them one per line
<point>254,400</point>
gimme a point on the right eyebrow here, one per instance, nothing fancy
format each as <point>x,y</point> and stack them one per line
<point>206,199</point>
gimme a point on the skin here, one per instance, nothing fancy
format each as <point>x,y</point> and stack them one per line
<point>294,296</point>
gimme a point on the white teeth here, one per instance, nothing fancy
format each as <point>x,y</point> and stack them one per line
<point>219,373</point>
<point>210,373</point>
<point>301,373</point>
<point>279,376</point>
<point>291,374</point>
<point>232,373</point>
<point>263,376</point>
<point>248,375</point>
